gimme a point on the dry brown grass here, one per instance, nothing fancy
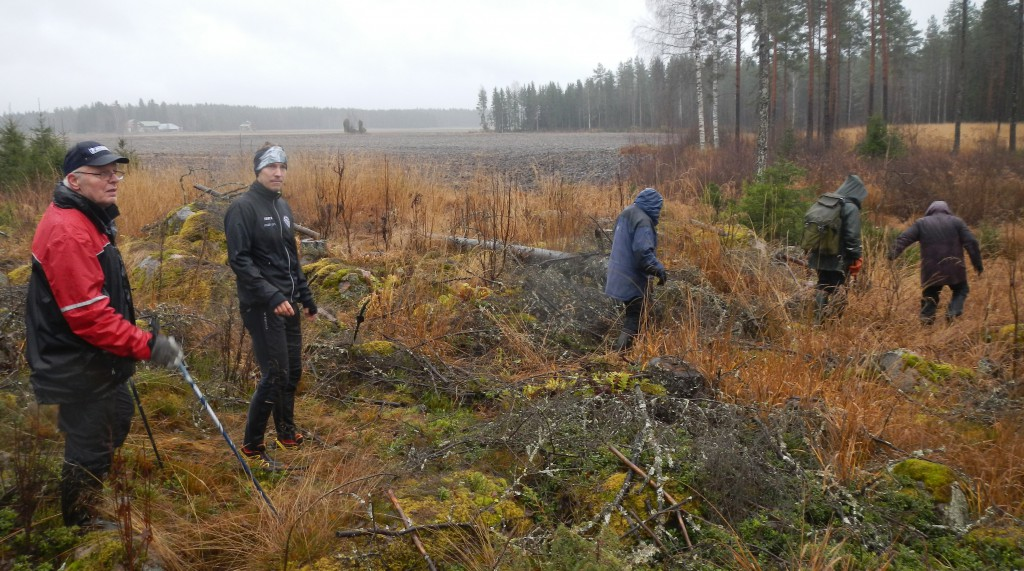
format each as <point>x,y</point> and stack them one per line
<point>215,519</point>
<point>973,136</point>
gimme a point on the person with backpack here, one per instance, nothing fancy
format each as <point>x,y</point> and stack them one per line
<point>943,239</point>
<point>633,262</point>
<point>832,242</point>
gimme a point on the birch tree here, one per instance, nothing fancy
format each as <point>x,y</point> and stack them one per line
<point>761,160</point>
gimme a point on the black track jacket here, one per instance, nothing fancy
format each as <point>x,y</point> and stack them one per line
<point>262,251</point>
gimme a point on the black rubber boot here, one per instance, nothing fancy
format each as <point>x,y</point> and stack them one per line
<point>80,493</point>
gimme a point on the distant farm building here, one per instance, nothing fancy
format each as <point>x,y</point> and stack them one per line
<point>133,126</point>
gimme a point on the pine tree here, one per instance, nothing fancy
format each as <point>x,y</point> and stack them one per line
<point>13,155</point>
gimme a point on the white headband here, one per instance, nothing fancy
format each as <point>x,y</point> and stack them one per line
<point>271,156</point>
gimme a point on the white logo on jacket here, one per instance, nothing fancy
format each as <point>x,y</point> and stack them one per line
<point>287,222</point>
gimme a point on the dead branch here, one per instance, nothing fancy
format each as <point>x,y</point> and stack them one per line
<point>400,532</point>
<point>651,483</point>
<point>412,529</point>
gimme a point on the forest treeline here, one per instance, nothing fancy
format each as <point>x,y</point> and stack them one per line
<point>830,64</point>
<point>115,117</point>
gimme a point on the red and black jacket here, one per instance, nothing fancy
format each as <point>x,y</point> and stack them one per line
<point>81,335</point>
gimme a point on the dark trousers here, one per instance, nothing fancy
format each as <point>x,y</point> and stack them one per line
<point>93,430</point>
<point>631,316</point>
<point>828,285</point>
<point>277,344</point>
<point>930,301</point>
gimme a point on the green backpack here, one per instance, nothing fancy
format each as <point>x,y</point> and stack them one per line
<point>823,225</point>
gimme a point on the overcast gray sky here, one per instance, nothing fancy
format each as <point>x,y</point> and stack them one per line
<point>368,54</point>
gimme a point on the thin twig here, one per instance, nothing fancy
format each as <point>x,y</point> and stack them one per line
<point>642,474</point>
<point>400,532</point>
<point>409,526</point>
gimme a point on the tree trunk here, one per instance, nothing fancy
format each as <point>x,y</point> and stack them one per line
<point>1015,90</point>
<point>739,59</point>
<point>762,100</point>
<point>871,65</point>
<point>810,71</point>
<point>829,102</point>
<point>885,62</point>
<point>698,58</point>
<point>773,88</point>
<point>715,67</point>
<point>960,80</point>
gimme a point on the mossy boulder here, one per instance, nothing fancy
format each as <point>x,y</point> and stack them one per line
<point>942,484</point>
<point>202,225</point>
<point>336,283</point>
<point>914,374</point>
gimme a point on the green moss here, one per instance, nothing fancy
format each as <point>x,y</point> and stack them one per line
<point>936,478</point>
<point>935,372</point>
<point>201,226</point>
<point>19,276</point>
<point>999,548</point>
<point>570,551</point>
<point>374,349</point>
<point>1011,333</point>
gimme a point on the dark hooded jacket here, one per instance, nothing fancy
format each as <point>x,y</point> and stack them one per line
<point>943,238</point>
<point>632,258</point>
<point>262,251</point>
<point>854,192</point>
<point>81,340</point>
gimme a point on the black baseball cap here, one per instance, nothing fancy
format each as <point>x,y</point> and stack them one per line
<point>89,153</point>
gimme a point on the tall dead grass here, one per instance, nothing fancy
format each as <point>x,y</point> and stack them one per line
<point>397,209</point>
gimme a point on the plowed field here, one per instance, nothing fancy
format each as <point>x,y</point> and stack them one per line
<point>574,157</point>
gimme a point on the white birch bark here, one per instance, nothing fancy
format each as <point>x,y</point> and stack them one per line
<point>716,58</point>
<point>763,94</point>
<point>698,57</point>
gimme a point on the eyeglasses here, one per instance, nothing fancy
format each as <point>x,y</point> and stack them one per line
<point>116,175</point>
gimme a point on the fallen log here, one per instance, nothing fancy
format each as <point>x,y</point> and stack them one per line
<point>525,253</point>
<point>309,233</point>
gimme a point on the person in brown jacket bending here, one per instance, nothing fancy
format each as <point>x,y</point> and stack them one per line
<point>943,238</point>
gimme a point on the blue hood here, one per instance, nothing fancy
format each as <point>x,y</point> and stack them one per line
<point>650,201</point>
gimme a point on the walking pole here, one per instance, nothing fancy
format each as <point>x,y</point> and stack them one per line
<point>224,433</point>
<point>145,422</point>
<point>155,326</point>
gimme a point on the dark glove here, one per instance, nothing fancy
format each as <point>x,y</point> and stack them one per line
<point>310,307</point>
<point>662,275</point>
<point>166,352</point>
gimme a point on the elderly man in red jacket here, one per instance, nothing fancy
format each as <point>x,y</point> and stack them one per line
<point>82,342</point>
<point>943,238</point>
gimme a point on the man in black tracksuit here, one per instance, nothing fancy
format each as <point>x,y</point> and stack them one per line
<point>271,287</point>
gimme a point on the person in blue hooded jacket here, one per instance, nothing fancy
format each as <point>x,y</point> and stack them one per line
<point>633,261</point>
